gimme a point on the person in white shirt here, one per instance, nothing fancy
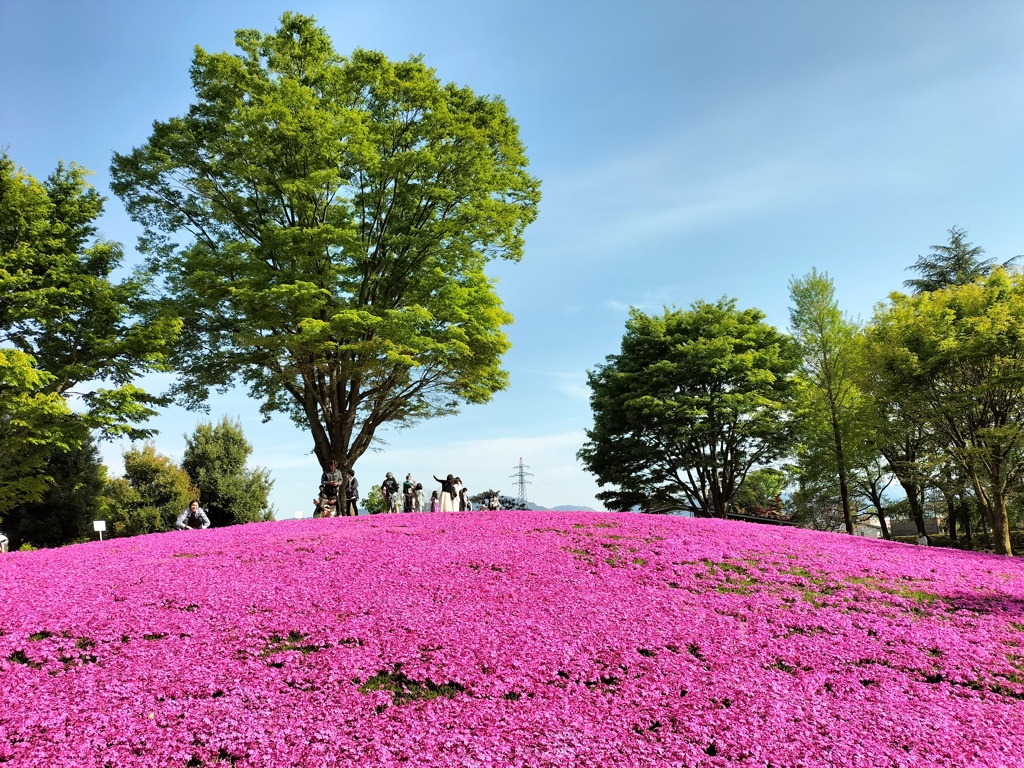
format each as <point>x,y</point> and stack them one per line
<point>193,517</point>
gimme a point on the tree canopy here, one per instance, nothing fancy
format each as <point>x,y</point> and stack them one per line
<point>215,459</point>
<point>322,224</point>
<point>958,263</point>
<point>68,330</point>
<point>60,305</point>
<point>66,509</point>
<point>954,361</point>
<point>829,397</point>
<point>694,401</point>
<point>151,494</point>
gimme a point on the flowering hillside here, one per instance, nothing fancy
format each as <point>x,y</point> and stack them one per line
<point>509,639</point>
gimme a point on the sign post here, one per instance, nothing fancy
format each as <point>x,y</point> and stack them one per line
<point>99,526</point>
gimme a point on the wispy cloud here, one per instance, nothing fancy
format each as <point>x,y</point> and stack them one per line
<point>573,384</point>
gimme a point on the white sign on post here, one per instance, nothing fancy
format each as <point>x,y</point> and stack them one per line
<point>99,526</point>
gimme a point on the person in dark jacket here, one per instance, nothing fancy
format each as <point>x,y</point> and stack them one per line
<point>389,489</point>
<point>352,495</point>
<point>447,495</point>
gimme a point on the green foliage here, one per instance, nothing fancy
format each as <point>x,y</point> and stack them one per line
<point>33,424</point>
<point>958,263</point>
<point>483,499</point>
<point>335,217</point>
<point>66,329</point>
<point>215,460</point>
<point>760,493</point>
<point>954,360</point>
<point>59,305</point>
<point>374,501</point>
<point>68,506</point>
<point>150,496</point>
<point>815,503</point>
<point>404,689</point>
<point>830,421</point>
<point>693,401</point>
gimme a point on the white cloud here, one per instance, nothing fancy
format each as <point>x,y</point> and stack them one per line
<point>573,384</point>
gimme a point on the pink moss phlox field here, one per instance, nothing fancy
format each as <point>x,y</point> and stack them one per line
<point>510,639</point>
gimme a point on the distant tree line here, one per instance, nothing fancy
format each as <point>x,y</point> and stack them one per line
<point>715,411</point>
<point>150,494</point>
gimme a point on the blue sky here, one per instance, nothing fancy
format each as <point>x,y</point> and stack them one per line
<point>687,150</point>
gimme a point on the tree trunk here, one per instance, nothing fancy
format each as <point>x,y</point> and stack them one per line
<point>965,520</point>
<point>951,513</point>
<point>884,525</point>
<point>916,508</point>
<point>1001,524</point>
<point>902,467</point>
<point>844,485</point>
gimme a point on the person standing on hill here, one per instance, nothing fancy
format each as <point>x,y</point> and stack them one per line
<point>408,494</point>
<point>435,506</point>
<point>389,490</point>
<point>352,495</point>
<point>465,505</point>
<point>447,496</point>
<point>419,497</point>
<point>457,494</point>
<point>330,484</point>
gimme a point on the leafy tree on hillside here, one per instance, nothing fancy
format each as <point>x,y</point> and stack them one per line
<point>68,506</point>
<point>374,502</point>
<point>59,305</point>
<point>151,494</point>
<point>33,423</point>
<point>323,224</point>
<point>830,401</point>
<point>815,503</point>
<point>67,329</point>
<point>760,493</point>
<point>693,402</point>
<point>215,459</point>
<point>504,502</point>
<point>954,360</point>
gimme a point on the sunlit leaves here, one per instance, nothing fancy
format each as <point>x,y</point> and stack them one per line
<point>336,216</point>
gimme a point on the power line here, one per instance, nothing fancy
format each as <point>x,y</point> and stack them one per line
<point>520,476</point>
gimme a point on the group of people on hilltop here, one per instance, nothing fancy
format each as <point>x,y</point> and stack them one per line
<point>407,497</point>
<point>453,496</point>
<point>336,488</point>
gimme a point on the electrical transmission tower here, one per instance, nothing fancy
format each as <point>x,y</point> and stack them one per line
<point>520,476</point>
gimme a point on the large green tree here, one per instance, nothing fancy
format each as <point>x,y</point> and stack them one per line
<point>215,459</point>
<point>954,360</point>
<point>69,331</point>
<point>323,225</point>
<point>958,263</point>
<point>33,423</point>
<point>830,399</point>
<point>693,401</point>
<point>60,304</point>
<point>69,504</point>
